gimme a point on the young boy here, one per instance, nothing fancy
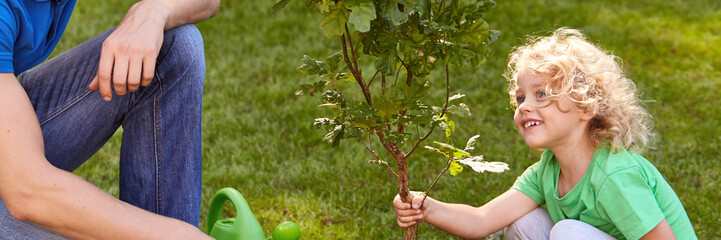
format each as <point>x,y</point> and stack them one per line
<point>573,100</point>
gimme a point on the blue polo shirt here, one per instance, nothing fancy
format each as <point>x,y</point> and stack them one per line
<point>29,31</point>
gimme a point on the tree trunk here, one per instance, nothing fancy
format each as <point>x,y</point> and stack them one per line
<point>405,194</point>
<point>411,232</point>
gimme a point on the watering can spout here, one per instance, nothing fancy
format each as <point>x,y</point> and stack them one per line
<point>244,227</point>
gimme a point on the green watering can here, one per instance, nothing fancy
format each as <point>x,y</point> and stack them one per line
<point>244,226</point>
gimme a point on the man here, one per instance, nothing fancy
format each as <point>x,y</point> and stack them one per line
<point>52,119</point>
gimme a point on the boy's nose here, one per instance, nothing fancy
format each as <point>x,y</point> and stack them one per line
<point>525,107</point>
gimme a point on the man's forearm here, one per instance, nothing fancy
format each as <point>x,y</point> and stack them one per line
<point>180,12</point>
<point>34,190</point>
<point>68,205</point>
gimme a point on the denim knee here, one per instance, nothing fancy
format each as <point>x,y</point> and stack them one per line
<point>182,57</point>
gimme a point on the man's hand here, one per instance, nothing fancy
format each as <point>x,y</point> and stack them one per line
<point>129,54</point>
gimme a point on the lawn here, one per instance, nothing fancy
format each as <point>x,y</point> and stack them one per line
<point>258,135</point>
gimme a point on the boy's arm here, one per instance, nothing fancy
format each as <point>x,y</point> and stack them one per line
<point>34,190</point>
<point>467,221</point>
<point>661,231</point>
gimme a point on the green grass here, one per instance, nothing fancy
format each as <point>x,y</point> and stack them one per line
<point>258,138</point>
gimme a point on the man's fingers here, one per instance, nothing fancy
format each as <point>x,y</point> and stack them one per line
<point>105,69</point>
<point>134,70</point>
<point>93,84</point>
<point>120,76</point>
<point>148,70</point>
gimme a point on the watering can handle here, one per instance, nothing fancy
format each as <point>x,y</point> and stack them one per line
<point>216,205</point>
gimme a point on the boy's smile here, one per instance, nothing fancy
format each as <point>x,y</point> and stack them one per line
<point>543,122</point>
<point>527,123</point>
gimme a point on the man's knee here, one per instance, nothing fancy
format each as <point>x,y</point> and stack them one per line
<point>187,37</point>
<point>182,56</point>
<point>184,45</point>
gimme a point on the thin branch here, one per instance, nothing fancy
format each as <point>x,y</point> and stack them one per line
<point>409,76</point>
<point>383,84</point>
<point>374,77</point>
<point>332,83</point>
<point>380,161</point>
<point>399,71</point>
<point>345,56</point>
<point>390,148</point>
<point>419,142</point>
<point>401,129</point>
<point>450,160</point>
<point>352,50</point>
<point>356,73</point>
<point>448,92</point>
<point>445,108</point>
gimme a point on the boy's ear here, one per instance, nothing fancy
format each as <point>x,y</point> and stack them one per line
<point>587,114</point>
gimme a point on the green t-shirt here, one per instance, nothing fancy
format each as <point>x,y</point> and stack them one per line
<point>621,194</point>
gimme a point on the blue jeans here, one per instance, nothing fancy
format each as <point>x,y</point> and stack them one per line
<point>160,156</point>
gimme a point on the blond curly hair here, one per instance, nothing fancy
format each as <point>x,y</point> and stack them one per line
<point>590,77</point>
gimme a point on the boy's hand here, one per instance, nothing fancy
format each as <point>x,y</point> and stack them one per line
<point>409,214</point>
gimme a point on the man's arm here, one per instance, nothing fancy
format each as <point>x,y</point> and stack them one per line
<point>129,54</point>
<point>188,11</point>
<point>36,191</point>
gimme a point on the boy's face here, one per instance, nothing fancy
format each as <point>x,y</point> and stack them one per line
<point>546,123</point>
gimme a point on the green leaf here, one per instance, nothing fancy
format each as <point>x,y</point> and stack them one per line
<point>457,96</point>
<point>334,98</point>
<point>311,66</point>
<point>474,32</point>
<point>386,109</point>
<point>435,150</point>
<point>494,36</point>
<point>471,141</point>
<point>460,110</point>
<point>277,6</point>
<point>415,92</point>
<point>397,137</point>
<point>392,13</point>
<point>334,136</point>
<point>417,6</point>
<point>379,40</point>
<point>362,13</point>
<point>448,150</point>
<point>325,6</point>
<point>455,168</point>
<point>311,89</point>
<point>347,77</point>
<point>361,111</point>
<point>386,63</point>
<point>366,123</point>
<point>448,126</point>
<point>333,24</point>
<point>487,5</point>
<point>333,61</point>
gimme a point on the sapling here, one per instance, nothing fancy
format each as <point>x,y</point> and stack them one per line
<point>400,42</point>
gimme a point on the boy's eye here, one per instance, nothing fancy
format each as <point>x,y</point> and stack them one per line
<point>519,100</point>
<point>540,94</point>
